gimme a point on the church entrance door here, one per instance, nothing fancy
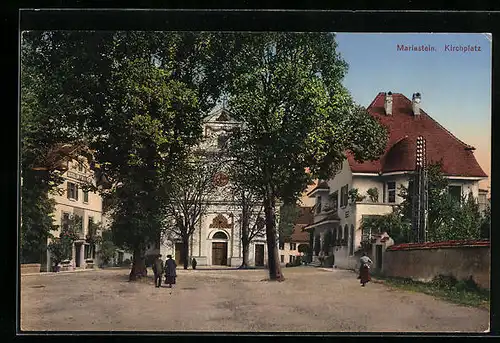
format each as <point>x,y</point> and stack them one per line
<point>219,253</point>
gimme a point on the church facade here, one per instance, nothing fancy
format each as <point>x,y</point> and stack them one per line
<point>217,238</point>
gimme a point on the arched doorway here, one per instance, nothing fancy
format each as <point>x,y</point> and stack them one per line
<point>219,249</point>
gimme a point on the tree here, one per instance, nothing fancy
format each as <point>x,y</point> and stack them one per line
<point>138,99</point>
<point>251,220</point>
<point>448,218</point>
<point>107,248</point>
<point>189,194</point>
<point>288,215</point>
<point>61,248</point>
<point>286,90</point>
<point>486,223</point>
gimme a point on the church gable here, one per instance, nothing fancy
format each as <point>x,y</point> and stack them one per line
<point>221,222</point>
<point>221,116</point>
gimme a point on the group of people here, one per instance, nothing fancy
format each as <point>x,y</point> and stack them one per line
<point>169,269</point>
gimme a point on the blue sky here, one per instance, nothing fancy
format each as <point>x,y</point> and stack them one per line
<point>455,86</point>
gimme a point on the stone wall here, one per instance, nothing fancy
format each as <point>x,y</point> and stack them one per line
<point>423,262</point>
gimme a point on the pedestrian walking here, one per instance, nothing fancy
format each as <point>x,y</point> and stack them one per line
<point>158,270</point>
<point>364,269</point>
<point>170,272</point>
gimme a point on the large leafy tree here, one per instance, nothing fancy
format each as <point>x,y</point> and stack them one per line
<point>137,99</point>
<point>286,90</point>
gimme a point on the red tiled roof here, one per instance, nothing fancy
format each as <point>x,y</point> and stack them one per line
<point>436,245</point>
<point>298,235</point>
<point>404,128</point>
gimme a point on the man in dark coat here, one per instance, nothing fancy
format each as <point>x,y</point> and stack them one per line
<point>170,272</point>
<point>158,270</point>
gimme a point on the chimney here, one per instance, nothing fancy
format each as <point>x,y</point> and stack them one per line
<point>388,103</point>
<point>415,103</point>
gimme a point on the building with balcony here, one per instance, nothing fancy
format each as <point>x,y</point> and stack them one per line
<point>371,188</point>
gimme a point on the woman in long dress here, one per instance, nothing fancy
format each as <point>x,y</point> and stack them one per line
<point>364,269</point>
<point>170,272</point>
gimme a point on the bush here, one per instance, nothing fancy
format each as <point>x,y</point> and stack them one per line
<point>444,281</point>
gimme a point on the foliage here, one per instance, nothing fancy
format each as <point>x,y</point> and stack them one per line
<point>485,227</point>
<point>61,248</point>
<point>137,98</point>
<point>286,90</point>
<point>393,223</point>
<point>464,292</point>
<point>354,195</point>
<point>373,194</point>
<point>107,248</point>
<point>288,214</point>
<point>188,196</point>
<point>448,219</point>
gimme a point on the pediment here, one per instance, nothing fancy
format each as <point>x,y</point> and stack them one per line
<point>221,116</point>
<point>221,222</point>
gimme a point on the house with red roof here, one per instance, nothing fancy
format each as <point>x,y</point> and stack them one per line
<point>339,213</point>
<point>299,240</point>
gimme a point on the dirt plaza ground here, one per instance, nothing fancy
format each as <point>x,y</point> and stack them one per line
<point>310,300</point>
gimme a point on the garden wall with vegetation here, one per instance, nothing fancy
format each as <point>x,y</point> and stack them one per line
<point>424,262</point>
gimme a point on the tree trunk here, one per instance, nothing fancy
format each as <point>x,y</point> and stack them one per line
<point>138,266</point>
<point>246,251</point>
<point>244,232</point>
<point>272,248</point>
<point>185,251</point>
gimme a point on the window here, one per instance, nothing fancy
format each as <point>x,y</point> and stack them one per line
<point>391,192</point>
<point>335,200</point>
<point>455,192</point>
<point>90,226</point>
<point>78,220</point>
<point>344,196</point>
<point>220,235</point>
<point>318,204</point>
<point>293,246</point>
<point>292,258</point>
<point>65,220</point>
<point>281,245</point>
<point>346,232</point>
<point>282,258</point>
<point>72,191</point>
<point>86,196</point>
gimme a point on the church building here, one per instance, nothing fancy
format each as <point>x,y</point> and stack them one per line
<point>217,238</point>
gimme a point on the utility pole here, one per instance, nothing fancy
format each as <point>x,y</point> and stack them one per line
<point>420,194</point>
